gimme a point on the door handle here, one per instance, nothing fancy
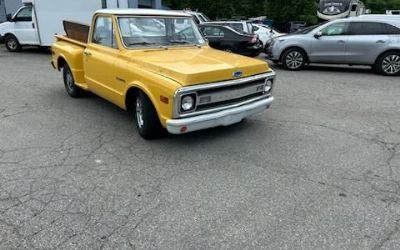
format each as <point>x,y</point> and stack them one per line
<point>341,41</point>
<point>87,53</point>
<point>33,25</point>
<point>380,41</point>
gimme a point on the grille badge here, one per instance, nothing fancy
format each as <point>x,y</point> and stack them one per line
<point>237,74</point>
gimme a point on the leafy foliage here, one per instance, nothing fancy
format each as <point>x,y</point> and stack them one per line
<point>278,10</point>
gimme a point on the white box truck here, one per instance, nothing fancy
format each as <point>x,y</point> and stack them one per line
<point>36,22</point>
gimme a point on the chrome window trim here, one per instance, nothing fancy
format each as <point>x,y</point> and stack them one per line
<point>190,89</point>
<point>196,28</point>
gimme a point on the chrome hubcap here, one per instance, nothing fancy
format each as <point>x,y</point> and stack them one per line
<point>391,64</point>
<point>294,60</point>
<point>12,44</point>
<point>139,113</point>
<point>70,82</point>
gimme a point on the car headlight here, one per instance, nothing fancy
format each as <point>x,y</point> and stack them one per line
<point>188,103</point>
<point>268,85</point>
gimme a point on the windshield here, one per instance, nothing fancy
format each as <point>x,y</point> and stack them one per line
<point>309,29</point>
<point>159,31</point>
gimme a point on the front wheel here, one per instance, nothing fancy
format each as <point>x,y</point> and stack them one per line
<point>12,43</point>
<point>389,64</point>
<point>147,121</point>
<point>294,59</point>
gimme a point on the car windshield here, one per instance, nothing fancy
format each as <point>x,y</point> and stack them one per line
<point>308,29</point>
<point>159,32</point>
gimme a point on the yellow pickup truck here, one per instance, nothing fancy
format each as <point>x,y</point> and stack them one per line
<point>157,65</point>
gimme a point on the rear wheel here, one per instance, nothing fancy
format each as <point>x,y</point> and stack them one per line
<point>69,82</point>
<point>12,43</point>
<point>388,64</point>
<point>294,59</point>
<point>147,121</point>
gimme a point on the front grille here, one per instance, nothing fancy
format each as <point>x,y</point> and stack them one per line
<point>228,102</point>
<point>219,96</point>
<point>223,96</point>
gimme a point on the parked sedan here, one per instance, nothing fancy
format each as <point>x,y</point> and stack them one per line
<point>355,41</point>
<point>231,40</point>
<point>266,33</point>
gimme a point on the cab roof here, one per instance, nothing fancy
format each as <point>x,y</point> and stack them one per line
<point>142,12</point>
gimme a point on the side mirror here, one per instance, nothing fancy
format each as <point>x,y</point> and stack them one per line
<point>9,17</point>
<point>318,34</point>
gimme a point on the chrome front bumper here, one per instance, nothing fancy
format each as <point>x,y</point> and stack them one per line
<point>221,118</point>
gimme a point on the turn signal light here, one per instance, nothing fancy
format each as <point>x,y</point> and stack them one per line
<point>164,99</point>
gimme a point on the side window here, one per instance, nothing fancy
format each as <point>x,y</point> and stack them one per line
<point>336,29</point>
<point>24,15</point>
<point>213,31</point>
<point>392,30</point>
<point>207,31</point>
<point>103,32</point>
<point>237,26</point>
<point>366,28</point>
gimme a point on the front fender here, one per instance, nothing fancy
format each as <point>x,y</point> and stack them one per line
<point>157,88</point>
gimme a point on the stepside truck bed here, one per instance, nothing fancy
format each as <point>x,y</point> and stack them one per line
<point>72,44</point>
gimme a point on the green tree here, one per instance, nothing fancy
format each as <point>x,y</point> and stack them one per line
<point>280,11</point>
<point>289,10</point>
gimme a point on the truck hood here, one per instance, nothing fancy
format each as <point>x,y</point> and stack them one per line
<point>191,66</point>
<point>4,28</point>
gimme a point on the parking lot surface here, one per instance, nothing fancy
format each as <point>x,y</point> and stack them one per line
<point>320,170</point>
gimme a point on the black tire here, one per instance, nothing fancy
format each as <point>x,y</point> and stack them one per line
<point>294,59</point>
<point>69,83</point>
<point>146,118</point>
<point>388,64</point>
<point>12,43</point>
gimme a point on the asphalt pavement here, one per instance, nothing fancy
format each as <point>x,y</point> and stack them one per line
<point>319,170</point>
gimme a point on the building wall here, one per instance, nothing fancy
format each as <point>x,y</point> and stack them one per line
<point>155,4</point>
<point>11,6</point>
<point>8,7</point>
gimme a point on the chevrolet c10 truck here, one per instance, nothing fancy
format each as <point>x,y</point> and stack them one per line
<point>157,65</point>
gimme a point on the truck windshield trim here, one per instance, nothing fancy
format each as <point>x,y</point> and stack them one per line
<point>138,32</point>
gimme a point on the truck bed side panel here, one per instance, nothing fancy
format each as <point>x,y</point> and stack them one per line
<point>72,53</point>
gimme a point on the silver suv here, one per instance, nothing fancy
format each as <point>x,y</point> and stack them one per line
<point>373,41</point>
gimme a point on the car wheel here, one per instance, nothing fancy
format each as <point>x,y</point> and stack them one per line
<point>69,83</point>
<point>388,64</point>
<point>294,59</point>
<point>146,118</point>
<point>12,43</point>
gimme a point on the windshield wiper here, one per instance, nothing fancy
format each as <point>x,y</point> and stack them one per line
<point>179,42</point>
<point>140,43</point>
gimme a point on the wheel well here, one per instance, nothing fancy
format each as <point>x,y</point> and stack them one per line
<point>293,47</point>
<point>391,50</point>
<point>131,98</point>
<point>10,34</point>
<point>61,63</point>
